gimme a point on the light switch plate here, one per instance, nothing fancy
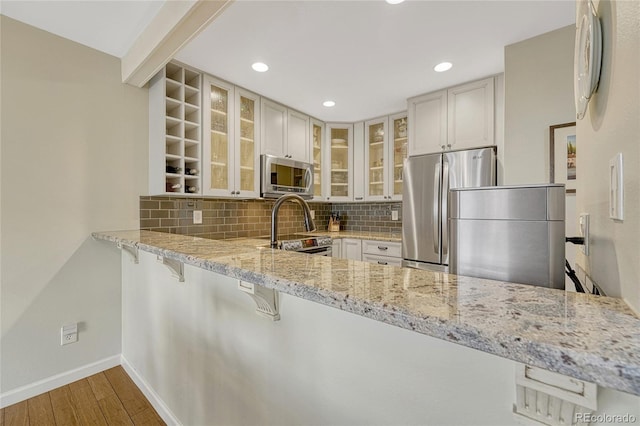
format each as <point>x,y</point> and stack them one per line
<point>616,188</point>
<point>583,221</point>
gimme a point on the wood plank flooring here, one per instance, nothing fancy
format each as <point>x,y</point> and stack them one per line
<point>106,398</point>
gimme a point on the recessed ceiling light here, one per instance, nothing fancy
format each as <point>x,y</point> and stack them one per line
<point>260,67</point>
<point>394,1</point>
<point>329,103</point>
<point>443,66</point>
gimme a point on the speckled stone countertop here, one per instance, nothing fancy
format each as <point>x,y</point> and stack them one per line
<point>378,236</point>
<point>588,337</point>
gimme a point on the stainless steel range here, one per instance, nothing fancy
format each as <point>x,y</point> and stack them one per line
<point>306,244</point>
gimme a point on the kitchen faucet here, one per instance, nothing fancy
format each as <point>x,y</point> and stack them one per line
<point>308,221</point>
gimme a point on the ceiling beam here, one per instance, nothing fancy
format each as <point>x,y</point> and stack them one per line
<point>176,23</point>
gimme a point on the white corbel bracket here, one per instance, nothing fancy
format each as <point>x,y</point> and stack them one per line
<point>175,266</point>
<point>266,299</point>
<point>128,248</point>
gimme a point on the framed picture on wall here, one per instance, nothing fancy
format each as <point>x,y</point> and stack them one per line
<point>562,149</point>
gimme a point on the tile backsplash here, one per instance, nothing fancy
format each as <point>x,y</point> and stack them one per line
<point>224,218</point>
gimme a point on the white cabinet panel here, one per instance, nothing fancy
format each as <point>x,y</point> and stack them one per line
<point>427,123</point>
<point>470,115</point>
<point>297,146</point>
<point>336,248</point>
<point>352,248</point>
<point>382,260</point>
<point>274,128</point>
<point>382,248</point>
<point>285,132</point>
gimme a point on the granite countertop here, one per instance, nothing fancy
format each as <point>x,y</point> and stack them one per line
<point>362,235</point>
<point>593,338</point>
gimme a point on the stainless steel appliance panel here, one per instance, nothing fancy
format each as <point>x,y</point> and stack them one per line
<point>421,208</point>
<point>464,169</point>
<point>509,233</point>
<point>514,251</point>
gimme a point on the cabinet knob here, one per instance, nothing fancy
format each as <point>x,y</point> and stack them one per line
<point>442,146</point>
<point>448,145</point>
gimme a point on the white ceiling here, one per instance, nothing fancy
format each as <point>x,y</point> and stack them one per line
<point>368,56</point>
<point>108,26</point>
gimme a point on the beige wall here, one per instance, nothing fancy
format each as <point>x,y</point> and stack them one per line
<point>538,94</point>
<point>538,81</point>
<point>612,125</point>
<point>74,160</point>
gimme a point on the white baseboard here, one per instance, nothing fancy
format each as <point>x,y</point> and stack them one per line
<point>163,411</point>
<point>28,391</point>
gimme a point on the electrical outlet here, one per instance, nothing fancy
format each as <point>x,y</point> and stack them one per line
<point>197,217</point>
<point>394,214</point>
<point>313,214</point>
<point>68,334</point>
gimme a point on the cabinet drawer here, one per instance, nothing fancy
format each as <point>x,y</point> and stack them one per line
<point>382,248</point>
<point>382,260</point>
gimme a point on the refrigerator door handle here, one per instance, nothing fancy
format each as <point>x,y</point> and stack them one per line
<point>436,216</point>
<point>444,219</point>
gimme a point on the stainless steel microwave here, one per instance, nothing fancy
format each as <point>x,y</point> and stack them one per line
<point>281,176</point>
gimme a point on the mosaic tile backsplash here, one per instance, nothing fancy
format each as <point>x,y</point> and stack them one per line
<point>222,218</point>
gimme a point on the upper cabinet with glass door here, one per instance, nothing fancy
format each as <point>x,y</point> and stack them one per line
<point>231,140</point>
<point>339,162</point>
<point>317,150</point>
<point>398,143</point>
<point>218,101</point>
<point>247,146</point>
<point>376,158</point>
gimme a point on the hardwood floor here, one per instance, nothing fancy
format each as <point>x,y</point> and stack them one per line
<point>106,398</point>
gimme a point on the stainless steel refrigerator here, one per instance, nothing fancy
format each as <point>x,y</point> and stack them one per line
<point>427,180</point>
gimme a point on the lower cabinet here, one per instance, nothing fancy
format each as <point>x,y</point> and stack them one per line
<point>373,251</point>
<point>336,248</point>
<point>382,260</point>
<point>382,252</point>
<point>352,248</point>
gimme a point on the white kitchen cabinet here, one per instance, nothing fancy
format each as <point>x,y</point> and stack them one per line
<point>298,147</point>
<point>339,144</point>
<point>285,132</point>
<point>427,117</point>
<point>318,151</point>
<point>336,248</point>
<point>398,137</point>
<point>471,115</point>
<point>351,248</point>
<point>175,132</point>
<point>231,142</point>
<point>382,252</point>
<point>460,117</point>
<point>273,128</point>
<point>381,260</point>
<point>376,159</point>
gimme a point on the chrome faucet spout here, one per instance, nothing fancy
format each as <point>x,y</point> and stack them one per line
<point>309,225</point>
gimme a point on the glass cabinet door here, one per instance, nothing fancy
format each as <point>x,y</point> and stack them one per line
<point>398,153</point>
<point>316,138</point>
<point>247,155</point>
<point>375,134</point>
<point>340,152</point>
<point>220,140</point>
